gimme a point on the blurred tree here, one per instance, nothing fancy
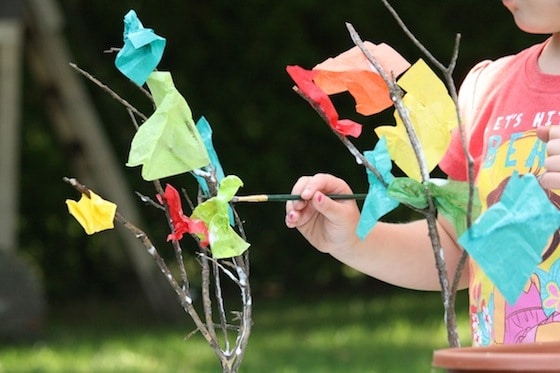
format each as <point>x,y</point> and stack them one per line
<point>228,59</point>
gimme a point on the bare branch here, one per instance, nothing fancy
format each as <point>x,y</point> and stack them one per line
<point>396,96</point>
<point>358,156</point>
<point>448,295</point>
<point>109,91</point>
<point>147,200</point>
<point>184,297</point>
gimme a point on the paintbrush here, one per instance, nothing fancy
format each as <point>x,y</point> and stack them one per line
<point>289,197</point>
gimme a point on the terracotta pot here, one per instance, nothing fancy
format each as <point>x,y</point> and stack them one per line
<point>528,357</point>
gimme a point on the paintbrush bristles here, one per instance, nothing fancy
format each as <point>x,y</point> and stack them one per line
<point>253,198</point>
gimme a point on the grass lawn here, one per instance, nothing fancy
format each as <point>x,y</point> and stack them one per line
<point>385,333</point>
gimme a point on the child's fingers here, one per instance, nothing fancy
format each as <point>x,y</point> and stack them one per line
<point>554,133</point>
<point>552,163</point>
<point>292,218</point>
<point>326,206</point>
<point>326,184</point>
<point>314,187</point>
<point>551,135</point>
<point>548,133</point>
<point>543,133</point>
<point>298,188</point>
<point>552,150</point>
<point>550,180</point>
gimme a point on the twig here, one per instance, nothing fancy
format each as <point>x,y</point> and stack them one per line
<point>112,50</point>
<point>206,299</point>
<point>450,83</point>
<point>411,36</point>
<point>430,213</point>
<point>220,301</point>
<point>109,91</point>
<point>358,156</point>
<point>188,199</point>
<point>228,326</point>
<point>222,267</point>
<point>230,360</point>
<point>147,200</point>
<point>184,297</point>
<point>396,96</point>
<point>176,246</point>
<point>132,118</point>
<point>448,76</point>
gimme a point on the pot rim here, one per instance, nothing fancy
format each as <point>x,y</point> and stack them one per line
<point>527,357</point>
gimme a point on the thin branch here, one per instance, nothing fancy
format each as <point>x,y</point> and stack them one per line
<point>229,327</point>
<point>176,245</point>
<point>459,272</point>
<point>222,267</point>
<point>230,361</point>
<point>109,91</point>
<point>450,83</point>
<point>448,297</point>
<point>360,159</point>
<point>206,298</point>
<point>396,96</point>
<point>184,297</point>
<point>147,200</point>
<point>411,36</point>
<point>188,199</point>
<point>133,118</point>
<point>112,50</point>
<point>220,301</point>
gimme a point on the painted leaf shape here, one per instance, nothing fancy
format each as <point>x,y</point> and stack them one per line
<point>224,241</point>
<point>205,131</point>
<point>524,218</point>
<point>181,223</point>
<point>168,143</point>
<point>141,52</point>
<point>452,199</point>
<point>93,213</point>
<point>351,71</point>
<point>304,80</point>
<point>378,202</point>
<point>433,116</point>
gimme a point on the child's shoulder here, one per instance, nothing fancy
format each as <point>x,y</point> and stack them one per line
<point>488,75</point>
<point>489,68</point>
<point>482,78</point>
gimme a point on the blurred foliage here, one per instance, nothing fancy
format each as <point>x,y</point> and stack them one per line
<point>228,59</point>
<point>345,333</point>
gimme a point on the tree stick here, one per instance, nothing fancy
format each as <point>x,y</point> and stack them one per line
<point>184,297</point>
<point>430,213</point>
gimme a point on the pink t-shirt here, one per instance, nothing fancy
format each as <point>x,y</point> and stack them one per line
<point>502,103</point>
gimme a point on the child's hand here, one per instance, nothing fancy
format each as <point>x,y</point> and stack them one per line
<point>327,224</point>
<point>551,135</point>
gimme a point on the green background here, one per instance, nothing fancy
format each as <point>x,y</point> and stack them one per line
<point>228,59</point>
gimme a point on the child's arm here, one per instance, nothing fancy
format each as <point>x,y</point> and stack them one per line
<point>400,254</point>
<point>551,135</point>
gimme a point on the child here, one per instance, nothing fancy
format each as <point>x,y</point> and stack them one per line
<point>511,109</point>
